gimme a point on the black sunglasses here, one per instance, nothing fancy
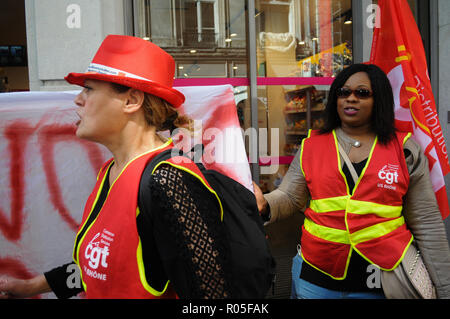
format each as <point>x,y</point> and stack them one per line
<point>359,93</point>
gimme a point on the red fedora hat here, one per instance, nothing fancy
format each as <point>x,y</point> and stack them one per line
<point>133,62</point>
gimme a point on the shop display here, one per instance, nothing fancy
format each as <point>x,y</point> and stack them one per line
<point>323,64</point>
<point>303,111</point>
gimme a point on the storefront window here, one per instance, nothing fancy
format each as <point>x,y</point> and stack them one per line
<point>306,38</point>
<point>301,46</point>
<point>207,38</point>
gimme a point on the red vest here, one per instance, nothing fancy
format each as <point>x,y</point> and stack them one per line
<point>109,252</point>
<point>369,220</point>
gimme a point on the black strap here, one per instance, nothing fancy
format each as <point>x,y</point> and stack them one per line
<point>144,191</point>
<point>195,155</point>
<point>163,156</point>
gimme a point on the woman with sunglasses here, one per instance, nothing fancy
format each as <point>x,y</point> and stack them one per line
<point>372,217</point>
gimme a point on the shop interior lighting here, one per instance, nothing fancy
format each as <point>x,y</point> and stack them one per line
<point>193,51</point>
<point>348,18</point>
<point>228,40</point>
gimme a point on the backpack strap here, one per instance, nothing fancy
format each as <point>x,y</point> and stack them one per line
<point>195,155</point>
<point>144,190</point>
<point>350,166</point>
<point>163,156</point>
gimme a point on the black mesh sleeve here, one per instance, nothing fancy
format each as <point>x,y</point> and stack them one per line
<point>188,233</point>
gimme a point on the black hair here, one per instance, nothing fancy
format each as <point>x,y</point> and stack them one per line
<point>383,117</point>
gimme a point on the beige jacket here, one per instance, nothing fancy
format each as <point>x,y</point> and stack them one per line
<point>420,209</point>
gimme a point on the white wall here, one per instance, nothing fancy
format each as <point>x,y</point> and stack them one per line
<point>63,36</point>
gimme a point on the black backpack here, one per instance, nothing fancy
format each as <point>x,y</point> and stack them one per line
<point>252,264</point>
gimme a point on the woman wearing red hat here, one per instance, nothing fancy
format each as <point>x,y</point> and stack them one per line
<point>143,233</point>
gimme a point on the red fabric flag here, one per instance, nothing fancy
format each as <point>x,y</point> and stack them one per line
<point>398,50</point>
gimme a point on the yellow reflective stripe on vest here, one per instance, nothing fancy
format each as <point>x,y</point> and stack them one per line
<point>301,151</point>
<point>331,204</point>
<point>363,208</point>
<point>343,237</point>
<point>406,138</point>
<point>376,231</point>
<point>76,248</point>
<point>327,233</point>
<point>326,205</point>
<point>142,277</point>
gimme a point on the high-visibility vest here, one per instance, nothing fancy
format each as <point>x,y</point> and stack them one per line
<point>368,220</point>
<point>108,251</point>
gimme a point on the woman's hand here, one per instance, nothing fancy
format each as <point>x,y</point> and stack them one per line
<point>23,288</point>
<point>260,200</point>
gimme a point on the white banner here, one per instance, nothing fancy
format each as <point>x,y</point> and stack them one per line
<point>47,173</point>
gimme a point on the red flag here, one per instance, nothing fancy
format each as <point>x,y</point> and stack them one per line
<point>398,50</point>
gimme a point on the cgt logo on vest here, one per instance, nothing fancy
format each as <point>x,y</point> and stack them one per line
<point>389,175</point>
<point>97,252</point>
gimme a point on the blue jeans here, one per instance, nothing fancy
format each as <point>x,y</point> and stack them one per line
<point>302,289</point>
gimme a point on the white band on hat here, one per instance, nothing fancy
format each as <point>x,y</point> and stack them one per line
<point>103,69</point>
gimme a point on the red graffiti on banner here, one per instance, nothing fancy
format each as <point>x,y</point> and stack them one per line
<point>48,137</point>
<point>18,135</point>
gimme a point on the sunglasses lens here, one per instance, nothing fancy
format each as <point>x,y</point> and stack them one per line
<point>359,93</point>
<point>343,92</point>
<point>363,93</point>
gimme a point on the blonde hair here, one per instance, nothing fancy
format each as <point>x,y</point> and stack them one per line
<point>158,112</point>
<point>161,114</point>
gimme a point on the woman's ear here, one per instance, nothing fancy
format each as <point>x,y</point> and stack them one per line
<point>135,99</point>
